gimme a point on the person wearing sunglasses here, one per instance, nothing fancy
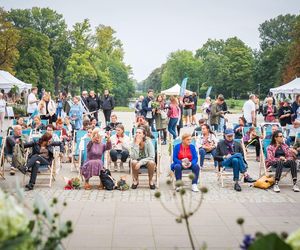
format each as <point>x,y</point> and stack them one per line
<point>280,156</point>
<point>230,154</point>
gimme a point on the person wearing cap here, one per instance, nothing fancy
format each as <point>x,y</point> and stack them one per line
<point>249,111</point>
<point>230,153</point>
<point>285,113</point>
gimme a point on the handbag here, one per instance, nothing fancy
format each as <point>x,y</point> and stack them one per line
<point>264,182</point>
<point>163,114</point>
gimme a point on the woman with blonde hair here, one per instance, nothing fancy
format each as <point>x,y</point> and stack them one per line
<point>47,108</point>
<point>270,111</point>
<point>95,150</point>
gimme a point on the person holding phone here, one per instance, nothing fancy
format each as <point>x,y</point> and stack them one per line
<point>142,155</point>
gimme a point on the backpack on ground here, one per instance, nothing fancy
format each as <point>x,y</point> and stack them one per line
<point>18,159</point>
<point>106,179</point>
<point>264,182</point>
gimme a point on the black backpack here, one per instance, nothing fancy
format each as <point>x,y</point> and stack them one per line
<point>106,179</point>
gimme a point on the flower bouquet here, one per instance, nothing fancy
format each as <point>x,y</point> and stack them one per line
<point>155,105</point>
<point>73,183</point>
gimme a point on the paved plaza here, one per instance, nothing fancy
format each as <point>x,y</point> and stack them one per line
<point>135,219</point>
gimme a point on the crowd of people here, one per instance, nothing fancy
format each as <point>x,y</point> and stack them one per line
<point>166,117</point>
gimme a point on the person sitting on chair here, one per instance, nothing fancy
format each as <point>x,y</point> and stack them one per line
<point>280,156</point>
<point>113,124</point>
<point>198,129</point>
<point>21,122</point>
<point>95,150</point>
<point>230,153</point>
<point>120,146</point>
<point>10,144</point>
<point>93,122</point>
<point>251,138</point>
<point>207,144</point>
<point>238,129</point>
<point>143,155</point>
<point>42,154</point>
<point>185,156</point>
<point>38,125</point>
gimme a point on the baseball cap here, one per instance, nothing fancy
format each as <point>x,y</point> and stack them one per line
<point>229,131</point>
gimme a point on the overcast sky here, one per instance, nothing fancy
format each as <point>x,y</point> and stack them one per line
<point>151,29</point>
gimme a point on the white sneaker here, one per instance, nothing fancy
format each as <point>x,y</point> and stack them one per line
<point>195,188</point>
<point>276,188</point>
<point>296,188</point>
<point>177,189</point>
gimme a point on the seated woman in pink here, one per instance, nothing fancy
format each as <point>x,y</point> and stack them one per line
<point>95,150</point>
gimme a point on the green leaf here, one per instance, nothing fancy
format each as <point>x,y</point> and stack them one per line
<point>270,242</point>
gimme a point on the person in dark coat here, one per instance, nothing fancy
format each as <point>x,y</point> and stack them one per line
<point>93,102</point>
<point>230,154</point>
<point>147,109</point>
<point>107,105</point>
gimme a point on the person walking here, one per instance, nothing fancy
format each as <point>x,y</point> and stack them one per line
<point>107,105</point>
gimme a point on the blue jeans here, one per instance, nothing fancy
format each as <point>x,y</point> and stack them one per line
<point>172,126</point>
<point>202,153</point>
<point>221,127</point>
<point>178,172</point>
<point>235,161</point>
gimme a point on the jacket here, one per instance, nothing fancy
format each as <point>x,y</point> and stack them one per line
<point>107,102</point>
<point>215,113</point>
<point>36,148</point>
<point>93,103</point>
<point>222,150</point>
<point>145,107</point>
<point>176,152</point>
<point>148,149</point>
<point>271,154</point>
<point>265,110</point>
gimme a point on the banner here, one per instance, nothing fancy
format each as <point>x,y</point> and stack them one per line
<point>183,86</point>
<point>208,91</point>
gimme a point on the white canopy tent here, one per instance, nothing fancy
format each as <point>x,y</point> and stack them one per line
<point>7,81</point>
<point>175,90</point>
<point>290,89</point>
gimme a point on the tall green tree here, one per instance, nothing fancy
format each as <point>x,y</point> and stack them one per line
<point>154,81</point>
<point>35,64</point>
<point>49,23</point>
<point>181,64</point>
<point>9,38</point>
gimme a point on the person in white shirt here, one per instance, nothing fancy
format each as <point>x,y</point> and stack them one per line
<point>249,111</point>
<point>2,111</point>
<point>32,101</point>
<point>120,146</point>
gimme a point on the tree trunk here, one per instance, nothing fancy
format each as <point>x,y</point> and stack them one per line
<point>56,84</point>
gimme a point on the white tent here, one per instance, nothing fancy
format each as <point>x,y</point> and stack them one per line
<point>175,90</point>
<point>292,87</point>
<point>7,81</point>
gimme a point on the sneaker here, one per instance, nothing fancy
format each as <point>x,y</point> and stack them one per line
<point>237,187</point>
<point>296,188</point>
<point>177,189</point>
<point>276,188</point>
<point>195,188</point>
<point>257,159</point>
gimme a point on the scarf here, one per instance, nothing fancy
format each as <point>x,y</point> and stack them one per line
<point>229,147</point>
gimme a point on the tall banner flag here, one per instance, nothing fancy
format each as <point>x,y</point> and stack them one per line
<point>183,86</point>
<point>208,91</point>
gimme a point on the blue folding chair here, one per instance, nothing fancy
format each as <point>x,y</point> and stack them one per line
<point>78,134</point>
<point>45,122</point>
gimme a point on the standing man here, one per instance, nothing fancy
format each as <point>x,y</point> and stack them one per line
<point>147,110</point>
<point>188,103</point>
<point>249,110</point>
<point>93,102</point>
<point>84,97</point>
<point>32,101</point>
<point>216,112</point>
<point>222,123</point>
<point>107,104</point>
